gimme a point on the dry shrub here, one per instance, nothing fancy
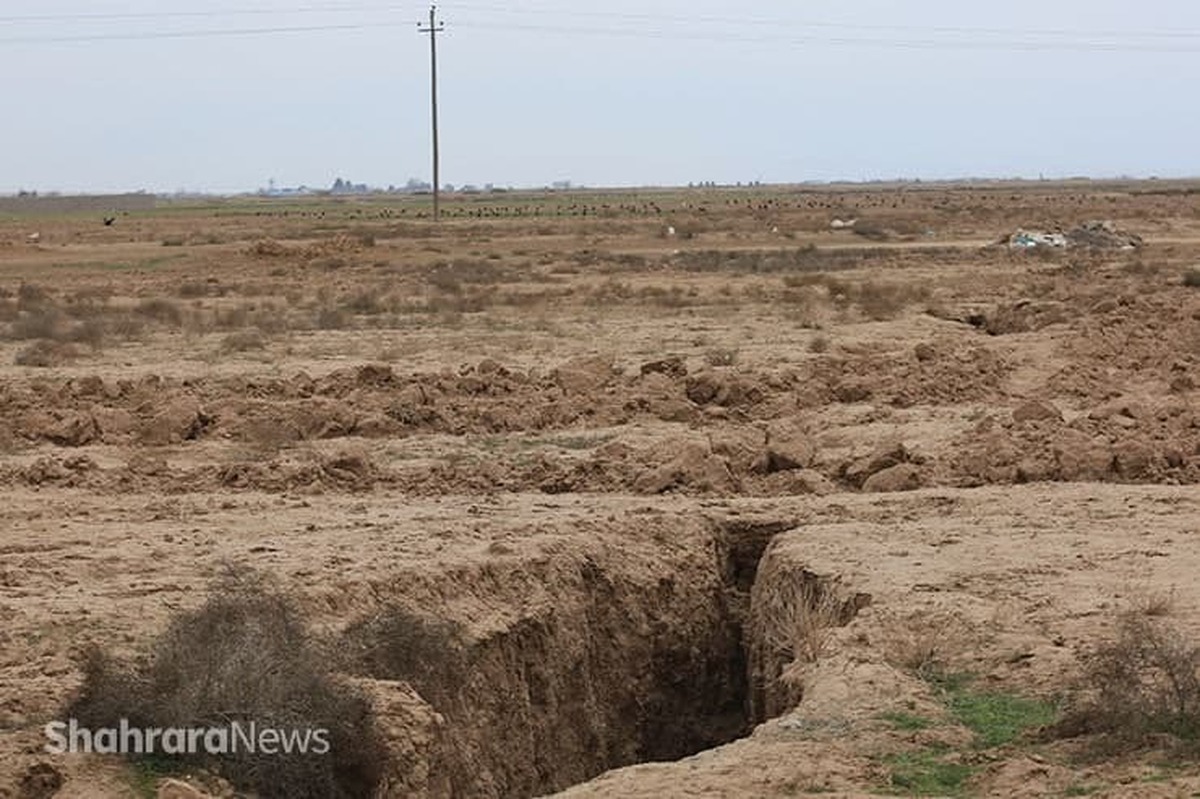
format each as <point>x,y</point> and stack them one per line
<point>43,323</point>
<point>366,302</point>
<point>399,644</point>
<point>243,341</point>
<point>331,319</point>
<point>126,326</point>
<point>871,230</point>
<point>232,318</point>
<point>32,297</point>
<point>244,656</point>
<point>192,289</point>
<point>819,344</point>
<point>926,644</point>
<point>90,332</point>
<point>449,276</point>
<point>45,354</point>
<point>1191,278</point>
<point>1146,682</point>
<point>883,301</point>
<point>721,357</point>
<point>160,310</point>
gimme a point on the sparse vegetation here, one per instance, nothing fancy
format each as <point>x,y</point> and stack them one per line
<point>1145,682</point>
<point>396,643</point>
<point>929,772</point>
<point>244,656</point>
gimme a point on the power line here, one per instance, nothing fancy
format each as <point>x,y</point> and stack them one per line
<point>774,22</point>
<point>618,16</point>
<point>195,34</point>
<point>642,31</point>
<point>785,22</point>
<point>886,43</point>
<point>92,16</point>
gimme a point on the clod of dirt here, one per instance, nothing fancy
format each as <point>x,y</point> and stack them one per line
<point>788,447</point>
<point>180,420</point>
<point>671,367</point>
<point>740,445</point>
<point>583,376</point>
<point>722,388</point>
<point>419,737</point>
<point>73,430</point>
<point>885,456</point>
<point>696,467</point>
<point>375,375</point>
<point>40,781</point>
<point>853,390</point>
<point>1081,457</point>
<point>116,425</point>
<point>925,352</point>
<point>1037,412</point>
<point>1135,458</point>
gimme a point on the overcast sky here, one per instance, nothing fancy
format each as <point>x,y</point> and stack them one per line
<point>620,93</point>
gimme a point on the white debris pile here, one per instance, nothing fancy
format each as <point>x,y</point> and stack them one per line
<point>1099,235</point>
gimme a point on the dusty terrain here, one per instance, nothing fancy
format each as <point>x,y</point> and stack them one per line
<point>704,484</point>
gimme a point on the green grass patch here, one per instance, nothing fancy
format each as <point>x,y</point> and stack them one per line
<point>907,721</point>
<point>996,718</point>
<point>999,718</point>
<point>928,773</point>
<point>146,772</point>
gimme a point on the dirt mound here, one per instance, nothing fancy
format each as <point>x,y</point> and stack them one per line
<point>1103,235</point>
<point>350,471</point>
<point>1113,443</point>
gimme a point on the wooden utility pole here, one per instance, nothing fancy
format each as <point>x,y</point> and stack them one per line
<point>433,30</point>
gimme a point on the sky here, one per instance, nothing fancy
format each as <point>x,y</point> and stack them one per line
<point>167,95</point>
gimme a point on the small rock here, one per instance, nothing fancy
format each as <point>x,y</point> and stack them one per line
<point>902,477</point>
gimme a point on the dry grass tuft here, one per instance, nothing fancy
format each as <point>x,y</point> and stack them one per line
<point>44,354</point>
<point>243,341</point>
<point>795,613</point>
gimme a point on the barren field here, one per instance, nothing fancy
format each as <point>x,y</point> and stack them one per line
<point>654,494</point>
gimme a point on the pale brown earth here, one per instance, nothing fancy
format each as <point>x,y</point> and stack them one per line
<point>607,452</point>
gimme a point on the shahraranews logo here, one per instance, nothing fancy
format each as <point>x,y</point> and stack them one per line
<point>69,737</point>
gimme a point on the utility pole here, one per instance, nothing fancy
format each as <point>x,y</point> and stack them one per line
<point>433,30</point>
